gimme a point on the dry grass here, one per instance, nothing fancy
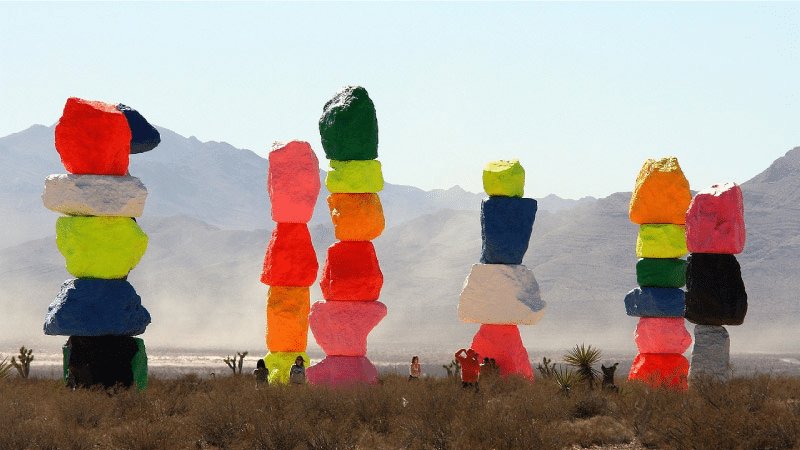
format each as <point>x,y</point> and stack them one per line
<point>228,413</point>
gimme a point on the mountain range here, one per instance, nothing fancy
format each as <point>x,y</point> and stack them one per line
<point>207,217</point>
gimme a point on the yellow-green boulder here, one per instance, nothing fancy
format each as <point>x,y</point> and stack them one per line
<point>504,178</point>
<point>279,363</point>
<point>661,240</point>
<point>354,177</point>
<point>100,247</point>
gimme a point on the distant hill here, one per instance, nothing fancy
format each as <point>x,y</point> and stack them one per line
<point>210,181</point>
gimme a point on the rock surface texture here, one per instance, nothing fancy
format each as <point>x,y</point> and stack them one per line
<point>343,371</point>
<point>94,195</point>
<point>93,138</point>
<point>662,335</point>
<point>504,344</point>
<point>351,272</point>
<point>354,177</point>
<point>655,302</point>
<point>504,178</point>
<point>293,182</point>
<point>100,247</point>
<point>501,294</point>
<point>287,318</point>
<point>661,241</point>
<point>661,370</point>
<point>715,220</point>
<point>711,352</point>
<point>661,193</point>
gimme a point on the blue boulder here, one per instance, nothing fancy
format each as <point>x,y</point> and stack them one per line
<point>655,302</point>
<point>96,307</point>
<point>506,225</point>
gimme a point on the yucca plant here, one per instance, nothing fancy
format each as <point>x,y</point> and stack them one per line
<point>565,379</point>
<point>5,368</point>
<point>583,359</point>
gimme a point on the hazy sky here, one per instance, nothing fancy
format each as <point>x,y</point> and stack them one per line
<point>580,93</point>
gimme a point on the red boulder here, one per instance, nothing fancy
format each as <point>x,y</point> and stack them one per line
<point>290,258</point>
<point>351,272</point>
<point>93,138</point>
<point>715,220</point>
<point>661,370</point>
<point>504,344</point>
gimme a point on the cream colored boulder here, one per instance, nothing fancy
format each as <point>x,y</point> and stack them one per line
<point>501,294</point>
<point>94,195</point>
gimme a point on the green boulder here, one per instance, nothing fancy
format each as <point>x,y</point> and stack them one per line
<point>139,366</point>
<point>661,272</point>
<point>504,178</point>
<point>100,247</point>
<point>348,127</point>
<point>354,177</point>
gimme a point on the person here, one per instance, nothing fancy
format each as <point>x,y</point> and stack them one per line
<point>260,372</point>
<point>415,370</point>
<point>470,367</point>
<point>297,374</point>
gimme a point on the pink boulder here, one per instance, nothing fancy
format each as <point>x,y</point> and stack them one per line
<point>293,182</point>
<point>341,328</point>
<point>661,370</point>
<point>351,272</point>
<point>93,138</point>
<point>715,220</point>
<point>662,335</point>
<point>290,258</point>
<point>504,344</point>
<point>342,371</point>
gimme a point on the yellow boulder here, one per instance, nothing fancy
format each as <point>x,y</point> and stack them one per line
<point>504,178</point>
<point>279,363</point>
<point>662,240</point>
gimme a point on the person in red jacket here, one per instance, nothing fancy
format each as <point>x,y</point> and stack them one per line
<point>470,367</point>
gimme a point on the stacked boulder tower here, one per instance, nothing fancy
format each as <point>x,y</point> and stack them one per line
<point>290,263</point>
<point>351,277</point>
<point>715,293</point>
<point>99,238</point>
<point>500,293</point>
<point>658,205</point>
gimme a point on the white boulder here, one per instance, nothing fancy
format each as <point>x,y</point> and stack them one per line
<point>501,294</point>
<point>711,352</point>
<point>94,195</point>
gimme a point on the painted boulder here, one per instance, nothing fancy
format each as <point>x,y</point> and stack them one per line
<point>661,193</point>
<point>715,220</point>
<point>501,294</point>
<point>341,328</point>
<point>506,226</point>
<point>354,177</point>
<point>287,318</point>
<point>661,241</point>
<point>96,307</point>
<point>655,302</point>
<point>278,365</point>
<point>661,370</point>
<point>93,138</point>
<point>94,195</point>
<point>661,272</point>
<point>342,371</point>
<point>290,259</point>
<point>348,126</point>
<point>504,178</point>
<point>144,137</point>
<point>504,344</point>
<point>94,361</point>
<point>662,335</point>
<point>293,182</point>
<point>356,217</point>
<point>711,352</point>
<point>351,272</point>
<point>100,247</point>
<point>715,293</point>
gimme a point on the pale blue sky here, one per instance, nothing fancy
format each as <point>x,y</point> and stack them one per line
<point>580,93</point>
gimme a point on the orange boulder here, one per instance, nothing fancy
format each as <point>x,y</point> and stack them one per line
<point>356,217</point>
<point>287,318</point>
<point>661,194</point>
